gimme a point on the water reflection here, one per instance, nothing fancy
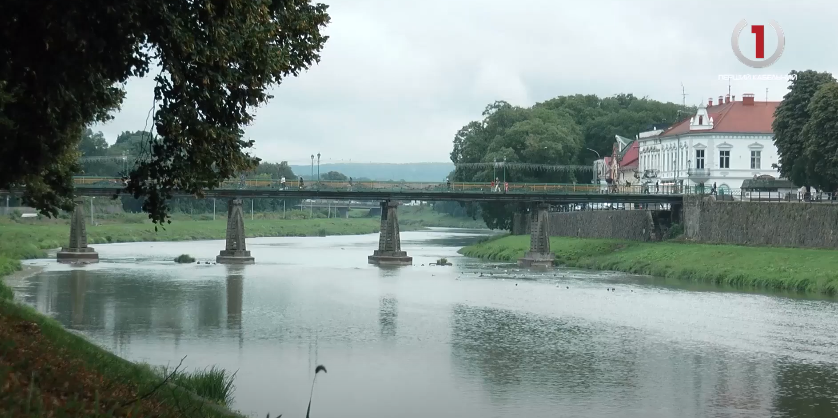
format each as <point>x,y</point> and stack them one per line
<point>589,370</point>
<point>78,288</point>
<point>235,296</point>
<point>387,314</point>
<point>541,354</point>
<point>479,339</point>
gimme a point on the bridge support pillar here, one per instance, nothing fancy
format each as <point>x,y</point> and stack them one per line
<point>539,254</point>
<point>236,251</point>
<point>389,250</point>
<point>77,251</point>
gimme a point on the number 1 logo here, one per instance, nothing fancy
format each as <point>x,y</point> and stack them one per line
<point>759,33</point>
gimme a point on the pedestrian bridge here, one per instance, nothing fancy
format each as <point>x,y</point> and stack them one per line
<point>405,191</point>
<point>539,195</point>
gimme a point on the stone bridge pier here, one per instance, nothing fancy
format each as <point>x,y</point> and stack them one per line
<point>389,250</point>
<point>77,251</point>
<point>539,254</point>
<point>236,251</point>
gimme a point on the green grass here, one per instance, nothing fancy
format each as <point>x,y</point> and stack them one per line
<point>790,269</point>
<point>58,363</point>
<point>214,384</point>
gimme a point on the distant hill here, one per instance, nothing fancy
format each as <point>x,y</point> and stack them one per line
<point>383,171</point>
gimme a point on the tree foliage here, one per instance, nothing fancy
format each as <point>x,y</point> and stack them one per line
<point>790,119</point>
<point>334,175</point>
<point>820,136</point>
<point>63,64</point>
<point>558,131</point>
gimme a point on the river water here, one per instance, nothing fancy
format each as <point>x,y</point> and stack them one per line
<point>474,340</point>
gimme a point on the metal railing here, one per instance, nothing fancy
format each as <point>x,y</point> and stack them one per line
<point>487,188</point>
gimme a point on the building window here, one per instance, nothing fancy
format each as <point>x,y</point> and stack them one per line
<point>699,158</point>
<point>756,156</point>
<point>724,159</point>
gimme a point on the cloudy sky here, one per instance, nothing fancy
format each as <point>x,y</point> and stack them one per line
<point>398,78</point>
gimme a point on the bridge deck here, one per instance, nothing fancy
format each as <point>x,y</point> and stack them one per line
<point>380,191</point>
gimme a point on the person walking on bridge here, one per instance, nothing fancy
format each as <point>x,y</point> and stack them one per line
<point>282,182</point>
<point>301,182</point>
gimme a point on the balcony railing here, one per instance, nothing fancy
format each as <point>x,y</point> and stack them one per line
<point>698,172</point>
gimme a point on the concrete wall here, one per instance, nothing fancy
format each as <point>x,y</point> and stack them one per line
<point>621,224</point>
<point>780,224</point>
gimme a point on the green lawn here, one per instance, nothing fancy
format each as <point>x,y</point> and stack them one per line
<point>797,269</point>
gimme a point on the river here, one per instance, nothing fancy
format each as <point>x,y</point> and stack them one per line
<point>477,339</point>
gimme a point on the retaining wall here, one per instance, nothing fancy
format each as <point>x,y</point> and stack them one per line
<point>779,224</point>
<point>633,225</point>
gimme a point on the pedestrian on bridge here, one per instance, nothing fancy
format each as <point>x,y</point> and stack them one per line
<point>282,182</point>
<point>301,182</point>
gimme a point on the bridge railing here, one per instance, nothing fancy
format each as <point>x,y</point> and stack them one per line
<point>407,187</point>
<point>468,187</point>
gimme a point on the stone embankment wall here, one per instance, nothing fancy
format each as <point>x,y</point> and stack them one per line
<point>779,224</point>
<point>621,224</point>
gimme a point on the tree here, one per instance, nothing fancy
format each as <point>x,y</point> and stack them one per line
<point>334,175</point>
<point>63,64</point>
<point>820,136</point>
<point>92,145</point>
<point>790,118</point>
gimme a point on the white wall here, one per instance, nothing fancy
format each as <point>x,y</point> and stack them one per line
<point>660,153</point>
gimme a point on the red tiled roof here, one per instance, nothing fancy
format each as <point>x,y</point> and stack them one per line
<point>630,159</point>
<point>733,117</point>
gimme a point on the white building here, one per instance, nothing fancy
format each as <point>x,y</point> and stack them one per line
<point>723,143</point>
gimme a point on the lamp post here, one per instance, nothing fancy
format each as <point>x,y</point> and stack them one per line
<point>495,170</point>
<point>504,171</point>
<point>593,180</point>
<point>318,168</point>
<point>312,167</point>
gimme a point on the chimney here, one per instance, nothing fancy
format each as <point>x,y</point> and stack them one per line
<point>721,100</point>
<point>748,99</point>
<point>727,98</point>
<point>710,102</point>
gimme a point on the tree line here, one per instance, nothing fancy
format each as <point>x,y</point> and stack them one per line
<point>806,131</point>
<point>566,130</point>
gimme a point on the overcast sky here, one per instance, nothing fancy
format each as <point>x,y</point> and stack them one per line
<point>398,78</point>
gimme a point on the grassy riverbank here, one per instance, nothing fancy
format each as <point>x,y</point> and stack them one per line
<point>796,269</point>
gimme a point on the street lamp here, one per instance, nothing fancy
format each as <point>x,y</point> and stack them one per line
<point>504,171</point>
<point>598,158</point>
<point>495,170</point>
<point>312,167</point>
<point>318,168</point>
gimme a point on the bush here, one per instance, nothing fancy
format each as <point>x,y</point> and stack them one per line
<point>184,258</point>
<point>675,231</point>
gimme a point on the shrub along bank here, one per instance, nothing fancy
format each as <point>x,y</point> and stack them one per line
<point>796,269</point>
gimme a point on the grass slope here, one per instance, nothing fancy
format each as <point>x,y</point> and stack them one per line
<point>795,269</point>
